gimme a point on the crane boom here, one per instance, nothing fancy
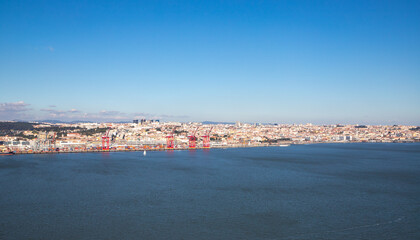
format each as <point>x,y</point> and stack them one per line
<point>206,139</point>
<point>192,139</point>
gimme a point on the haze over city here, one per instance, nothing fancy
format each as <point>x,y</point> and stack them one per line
<point>354,62</point>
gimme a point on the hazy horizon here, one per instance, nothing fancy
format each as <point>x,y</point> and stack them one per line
<point>55,121</point>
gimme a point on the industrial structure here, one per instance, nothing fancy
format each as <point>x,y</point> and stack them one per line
<point>105,141</point>
<point>192,140</point>
<point>206,139</point>
<point>170,142</point>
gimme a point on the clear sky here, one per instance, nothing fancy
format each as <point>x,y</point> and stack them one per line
<point>251,61</point>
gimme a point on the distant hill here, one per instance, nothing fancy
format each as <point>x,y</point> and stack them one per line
<point>49,121</point>
<point>80,121</point>
<point>59,121</point>
<point>23,126</point>
<point>210,122</point>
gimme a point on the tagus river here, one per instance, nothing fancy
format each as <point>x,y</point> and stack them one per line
<point>323,191</point>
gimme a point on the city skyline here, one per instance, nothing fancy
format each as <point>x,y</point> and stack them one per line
<point>319,62</point>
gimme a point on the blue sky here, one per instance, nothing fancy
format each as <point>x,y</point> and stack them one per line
<point>251,61</point>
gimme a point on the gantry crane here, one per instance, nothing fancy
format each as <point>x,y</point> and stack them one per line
<point>49,142</point>
<point>170,143</point>
<point>206,139</point>
<point>105,141</point>
<point>192,139</point>
<point>53,146</point>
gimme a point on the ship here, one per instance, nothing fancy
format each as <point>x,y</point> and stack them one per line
<point>7,153</point>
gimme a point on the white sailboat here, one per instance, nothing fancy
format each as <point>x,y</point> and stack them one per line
<point>144,152</point>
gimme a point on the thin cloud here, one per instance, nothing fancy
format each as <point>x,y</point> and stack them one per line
<point>158,116</point>
<point>54,113</point>
<point>110,113</point>
<point>18,110</point>
<point>51,110</point>
<point>14,110</point>
<point>174,116</point>
<point>14,106</point>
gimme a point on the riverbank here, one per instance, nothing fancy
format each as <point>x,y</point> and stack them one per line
<point>145,149</point>
<point>160,148</point>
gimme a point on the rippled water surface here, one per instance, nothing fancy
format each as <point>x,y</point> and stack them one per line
<point>324,191</point>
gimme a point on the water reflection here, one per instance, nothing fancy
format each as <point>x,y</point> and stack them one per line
<point>105,155</point>
<point>170,153</point>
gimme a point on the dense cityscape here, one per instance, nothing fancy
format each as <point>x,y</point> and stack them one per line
<point>34,137</point>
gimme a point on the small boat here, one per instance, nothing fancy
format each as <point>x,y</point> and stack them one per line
<point>284,145</point>
<point>144,152</point>
<point>7,153</point>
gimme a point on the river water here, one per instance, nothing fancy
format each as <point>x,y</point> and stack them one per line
<point>322,191</point>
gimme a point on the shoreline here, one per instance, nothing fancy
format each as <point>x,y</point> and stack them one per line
<point>288,144</point>
<point>142,150</point>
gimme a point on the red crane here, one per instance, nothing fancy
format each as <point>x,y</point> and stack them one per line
<point>206,139</point>
<point>105,141</point>
<point>192,140</point>
<point>53,142</point>
<point>170,143</point>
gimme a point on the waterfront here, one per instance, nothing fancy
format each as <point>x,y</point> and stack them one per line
<point>322,191</point>
<point>25,137</point>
